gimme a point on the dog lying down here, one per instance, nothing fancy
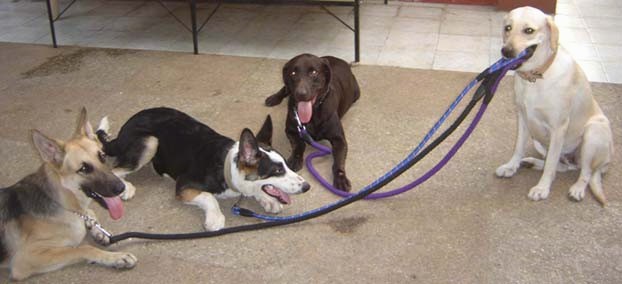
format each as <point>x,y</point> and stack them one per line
<point>44,217</point>
<point>555,108</point>
<point>321,90</point>
<point>203,163</point>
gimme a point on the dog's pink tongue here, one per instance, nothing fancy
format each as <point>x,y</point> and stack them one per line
<point>115,207</point>
<point>274,191</point>
<point>305,110</point>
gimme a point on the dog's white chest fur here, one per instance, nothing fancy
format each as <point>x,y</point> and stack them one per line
<point>548,104</point>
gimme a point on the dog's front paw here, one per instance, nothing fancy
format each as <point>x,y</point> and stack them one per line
<point>538,193</point>
<point>119,260</point>
<point>294,163</point>
<point>506,170</point>
<point>99,236</point>
<point>270,205</point>
<point>577,192</point>
<point>96,233</point>
<point>273,100</point>
<point>214,221</point>
<point>129,191</point>
<point>341,182</point>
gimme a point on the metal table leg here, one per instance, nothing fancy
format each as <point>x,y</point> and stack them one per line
<point>51,19</point>
<point>193,17</point>
<point>357,29</point>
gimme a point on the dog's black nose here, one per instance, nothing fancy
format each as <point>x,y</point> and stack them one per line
<point>507,52</point>
<point>301,92</point>
<point>306,186</point>
<point>118,188</point>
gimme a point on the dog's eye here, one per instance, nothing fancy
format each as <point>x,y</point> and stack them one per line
<point>292,74</point>
<point>313,73</point>
<point>528,31</point>
<point>278,170</point>
<point>507,28</point>
<point>85,169</point>
<point>102,157</point>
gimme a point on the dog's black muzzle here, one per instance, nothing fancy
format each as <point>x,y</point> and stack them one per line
<point>116,189</point>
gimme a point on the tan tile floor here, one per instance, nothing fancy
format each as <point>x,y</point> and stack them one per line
<point>413,35</point>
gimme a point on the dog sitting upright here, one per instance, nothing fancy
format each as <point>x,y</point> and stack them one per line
<point>555,108</point>
<point>320,90</point>
<point>202,162</point>
<point>45,216</point>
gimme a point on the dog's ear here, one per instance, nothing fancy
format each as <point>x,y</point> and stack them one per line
<point>285,72</point>
<point>554,32</point>
<point>84,126</point>
<point>264,135</point>
<point>327,72</point>
<point>248,154</point>
<point>50,150</point>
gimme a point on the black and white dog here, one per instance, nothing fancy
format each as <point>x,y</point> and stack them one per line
<point>202,162</point>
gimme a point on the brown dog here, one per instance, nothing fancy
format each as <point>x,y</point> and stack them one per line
<point>44,217</point>
<point>321,90</point>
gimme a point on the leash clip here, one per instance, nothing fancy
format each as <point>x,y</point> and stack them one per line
<point>101,229</point>
<point>239,211</point>
<point>302,130</point>
<point>90,222</point>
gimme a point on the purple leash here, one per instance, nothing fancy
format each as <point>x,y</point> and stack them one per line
<point>322,151</point>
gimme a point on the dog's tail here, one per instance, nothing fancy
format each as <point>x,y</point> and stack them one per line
<point>596,187</point>
<point>110,147</point>
<point>103,128</point>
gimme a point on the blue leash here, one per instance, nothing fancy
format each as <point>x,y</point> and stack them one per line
<point>499,69</point>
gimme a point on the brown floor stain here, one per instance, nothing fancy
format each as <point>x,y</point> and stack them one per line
<point>63,63</point>
<point>70,62</point>
<point>347,225</point>
<point>116,52</point>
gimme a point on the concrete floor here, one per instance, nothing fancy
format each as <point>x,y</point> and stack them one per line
<point>462,226</point>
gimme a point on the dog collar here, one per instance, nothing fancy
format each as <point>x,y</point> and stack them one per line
<point>533,75</point>
<point>227,172</point>
<point>323,98</point>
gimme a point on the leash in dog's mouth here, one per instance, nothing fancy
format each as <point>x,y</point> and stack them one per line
<point>276,193</point>
<point>526,54</point>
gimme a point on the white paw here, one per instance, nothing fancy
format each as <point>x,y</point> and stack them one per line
<point>129,191</point>
<point>97,234</point>
<point>99,237</point>
<point>228,193</point>
<point>214,222</point>
<point>506,170</point>
<point>120,260</point>
<point>577,192</point>
<point>538,193</point>
<point>270,205</point>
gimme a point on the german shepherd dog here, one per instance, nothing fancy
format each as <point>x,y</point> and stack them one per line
<point>44,217</point>
<point>203,163</point>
